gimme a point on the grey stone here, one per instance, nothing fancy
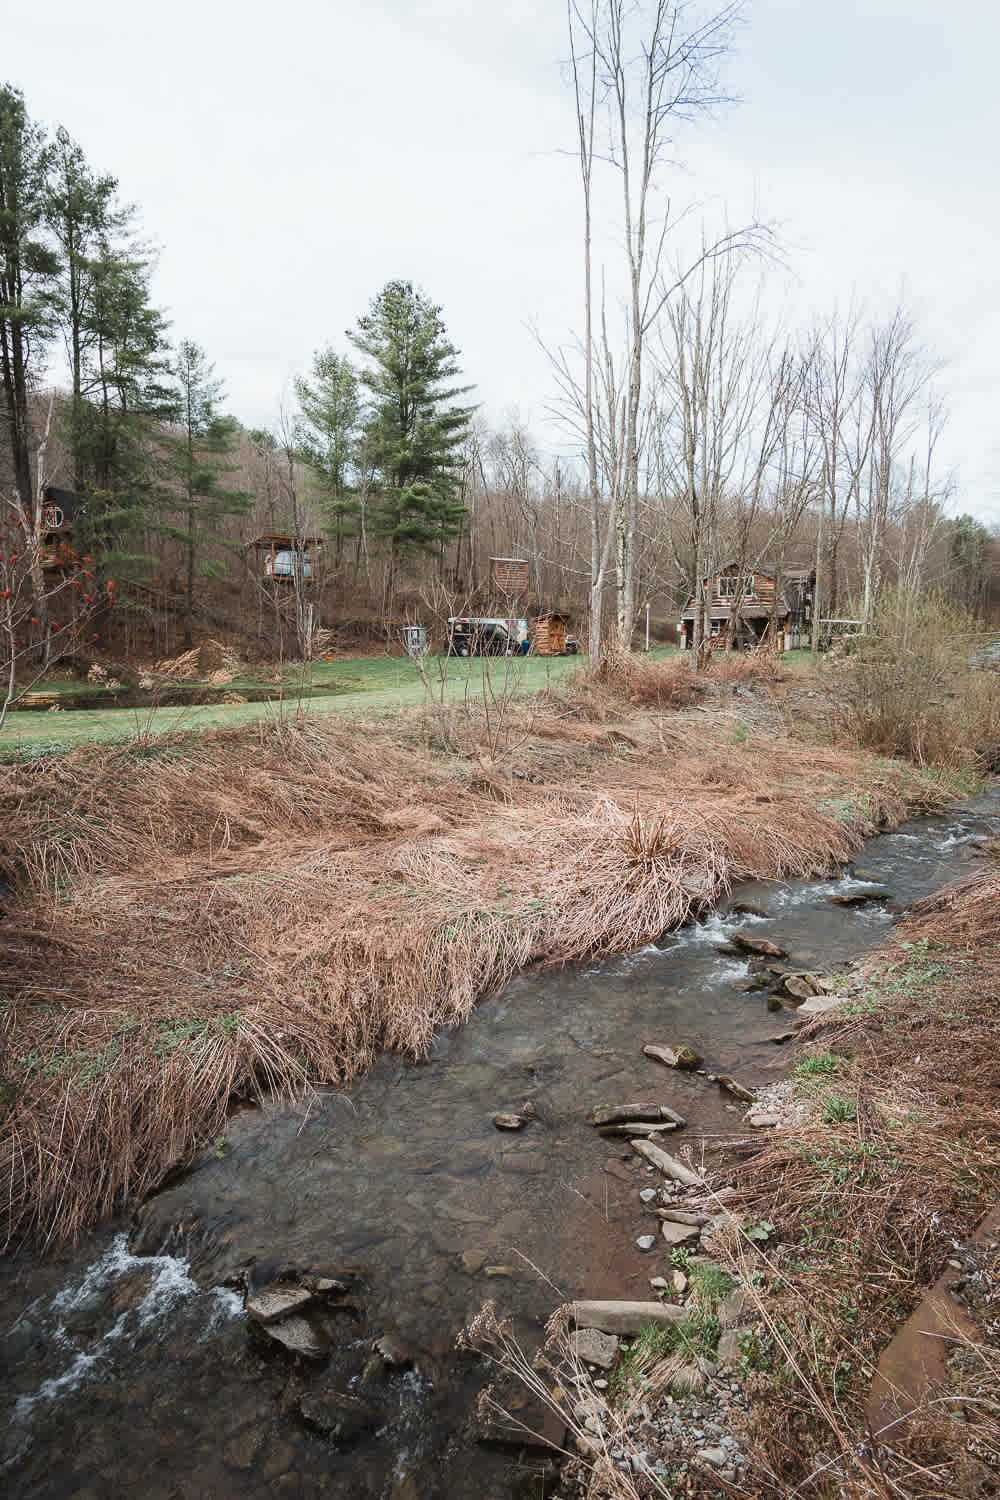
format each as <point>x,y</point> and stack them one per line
<point>732,1308</point>
<point>508,1122</point>
<point>647,1195</point>
<point>728,1352</point>
<point>820,1004</point>
<point>751,944</point>
<point>858,898</point>
<point>618,1114</point>
<point>673,1057</point>
<point>339,1417</point>
<point>646,1242</point>
<point>679,1234</point>
<point>298,1336</point>
<point>717,1457</point>
<point>624,1317</point>
<point>276,1302</point>
<point>799,986</point>
<point>593,1347</point>
<point>668,1165</point>
<point>736,1089</point>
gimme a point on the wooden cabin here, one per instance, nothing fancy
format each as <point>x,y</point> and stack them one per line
<point>550,634</point>
<point>755,608</point>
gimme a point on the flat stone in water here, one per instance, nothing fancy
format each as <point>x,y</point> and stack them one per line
<point>673,1057</point>
<point>298,1336</point>
<point>341,1418</point>
<point>277,1302</point>
<point>858,898</point>
<point>754,944</point>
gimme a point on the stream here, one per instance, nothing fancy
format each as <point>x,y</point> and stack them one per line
<point>128,1364</point>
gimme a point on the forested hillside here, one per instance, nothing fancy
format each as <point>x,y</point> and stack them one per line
<point>742,444</point>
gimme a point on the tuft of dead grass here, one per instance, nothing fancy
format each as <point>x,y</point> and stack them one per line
<point>763,664</point>
<point>648,684</point>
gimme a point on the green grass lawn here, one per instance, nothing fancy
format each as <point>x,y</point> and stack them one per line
<point>370,684</point>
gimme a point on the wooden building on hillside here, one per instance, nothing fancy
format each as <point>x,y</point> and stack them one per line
<point>59,509</point>
<point>755,609</point>
<point>278,550</point>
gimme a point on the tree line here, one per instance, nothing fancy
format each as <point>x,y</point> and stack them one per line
<point>697,434</point>
<point>141,438</point>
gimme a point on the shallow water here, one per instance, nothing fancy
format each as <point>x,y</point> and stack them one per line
<point>130,1368</point>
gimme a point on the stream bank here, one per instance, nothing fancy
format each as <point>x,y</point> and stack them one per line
<point>133,1366</point>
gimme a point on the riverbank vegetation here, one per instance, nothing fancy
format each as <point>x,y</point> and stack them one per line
<point>869,1201</point>
<point>195,918</point>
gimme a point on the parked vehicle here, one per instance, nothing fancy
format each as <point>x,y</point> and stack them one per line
<point>572,645</point>
<point>472,635</point>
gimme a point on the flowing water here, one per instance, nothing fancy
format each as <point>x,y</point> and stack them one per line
<point>130,1366</point>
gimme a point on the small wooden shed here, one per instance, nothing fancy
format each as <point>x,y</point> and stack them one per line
<point>550,634</point>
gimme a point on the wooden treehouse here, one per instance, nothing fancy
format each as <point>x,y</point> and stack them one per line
<point>59,507</point>
<point>278,549</point>
<point>751,608</point>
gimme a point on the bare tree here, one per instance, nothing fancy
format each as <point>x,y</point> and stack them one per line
<point>895,375</point>
<point>654,67</point>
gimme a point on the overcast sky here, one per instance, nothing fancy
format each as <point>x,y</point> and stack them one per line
<point>290,159</point>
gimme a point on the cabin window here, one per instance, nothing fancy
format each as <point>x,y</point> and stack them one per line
<point>728,583</point>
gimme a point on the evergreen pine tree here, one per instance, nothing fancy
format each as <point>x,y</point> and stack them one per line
<point>326,438</point>
<point>205,441</point>
<point>82,215</point>
<point>126,395</point>
<point>28,269</point>
<point>415,428</point>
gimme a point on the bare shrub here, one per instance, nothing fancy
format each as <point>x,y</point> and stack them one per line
<point>760,665</point>
<point>649,684</point>
<point>910,689</point>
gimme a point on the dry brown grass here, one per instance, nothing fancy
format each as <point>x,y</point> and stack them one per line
<point>760,665</point>
<point>648,684</point>
<point>261,909</point>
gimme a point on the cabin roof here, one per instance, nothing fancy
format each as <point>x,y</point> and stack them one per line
<point>280,540</point>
